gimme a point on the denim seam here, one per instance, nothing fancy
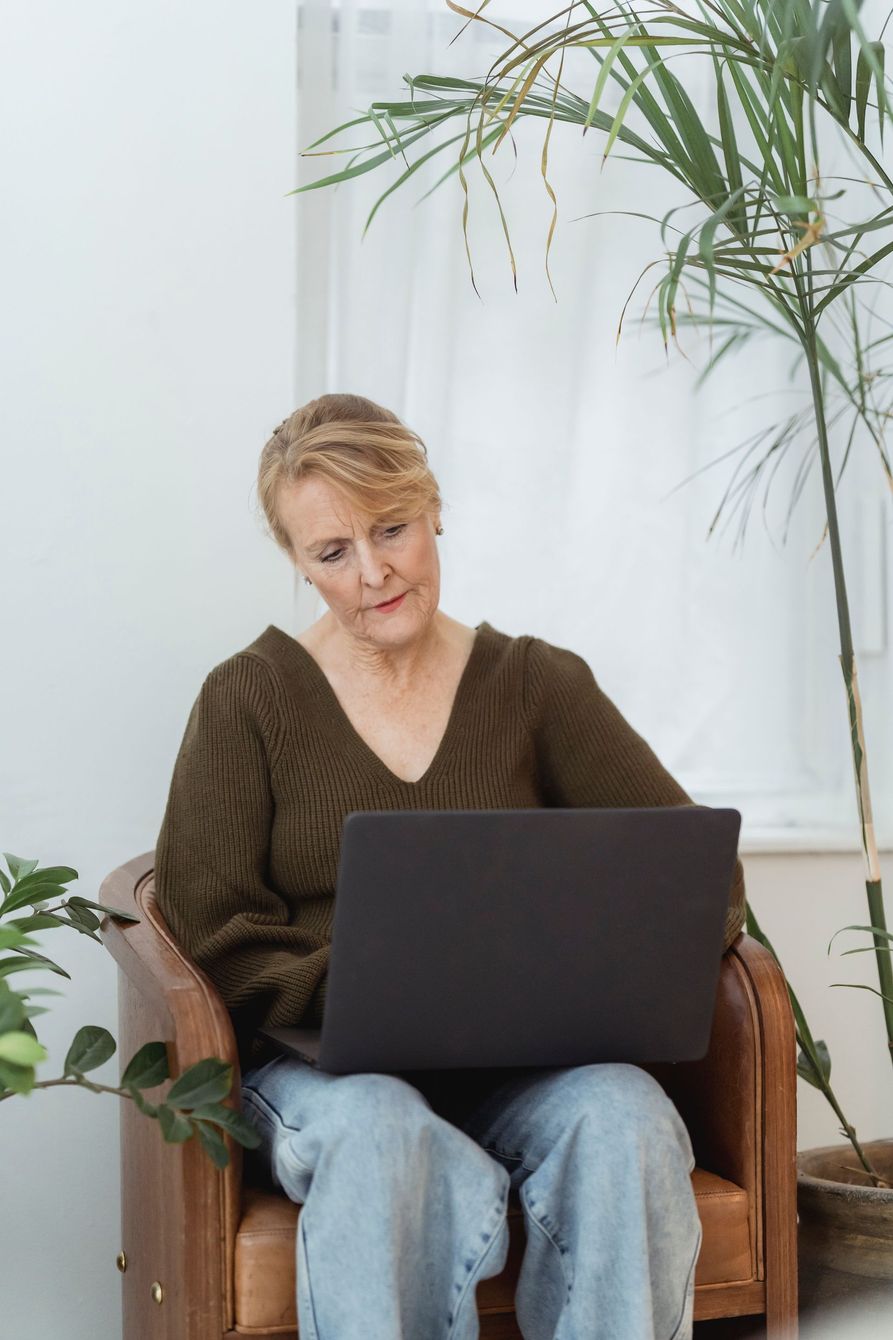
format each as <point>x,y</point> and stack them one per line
<point>470,1274</point>
<point>263,1102</point>
<point>688,1280</point>
<point>279,1126</point>
<point>302,1248</point>
<point>534,1218</point>
<point>516,1158</point>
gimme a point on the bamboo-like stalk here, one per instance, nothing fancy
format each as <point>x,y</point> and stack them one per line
<point>873,883</point>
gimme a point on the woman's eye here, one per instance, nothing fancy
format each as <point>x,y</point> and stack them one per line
<point>336,553</point>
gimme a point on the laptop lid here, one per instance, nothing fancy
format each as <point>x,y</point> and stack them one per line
<point>525,937</point>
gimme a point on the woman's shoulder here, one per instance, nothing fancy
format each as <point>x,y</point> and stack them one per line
<point>538,656</point>
<point>252,676</point>
<point>536,672</point>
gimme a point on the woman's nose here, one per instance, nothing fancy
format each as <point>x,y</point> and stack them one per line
<point>373,565</point>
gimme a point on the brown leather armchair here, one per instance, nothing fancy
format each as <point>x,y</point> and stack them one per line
<point>207,1254</point>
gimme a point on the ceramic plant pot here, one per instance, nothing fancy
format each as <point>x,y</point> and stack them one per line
<point>845,1236</point>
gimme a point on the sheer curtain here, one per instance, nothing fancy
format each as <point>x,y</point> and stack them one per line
<point>561,455</point>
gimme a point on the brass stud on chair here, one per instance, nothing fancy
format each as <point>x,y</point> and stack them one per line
<point>157,1292</point>
<point>121,1262</point>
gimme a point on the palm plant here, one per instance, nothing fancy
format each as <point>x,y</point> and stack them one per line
<point>766,253</point>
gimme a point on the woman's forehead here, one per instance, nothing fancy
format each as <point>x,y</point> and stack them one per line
<point>322,512</point>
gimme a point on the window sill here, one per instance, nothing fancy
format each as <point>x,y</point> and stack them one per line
<point>816,839</point>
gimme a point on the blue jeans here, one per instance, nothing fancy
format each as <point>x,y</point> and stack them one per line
<point>404,1210</point>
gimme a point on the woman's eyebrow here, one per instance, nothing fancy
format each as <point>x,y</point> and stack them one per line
<point>315,545</point>
<point>321,544</point>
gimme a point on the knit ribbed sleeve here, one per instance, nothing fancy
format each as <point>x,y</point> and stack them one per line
<point>589,755</point>
<point>212,857</point>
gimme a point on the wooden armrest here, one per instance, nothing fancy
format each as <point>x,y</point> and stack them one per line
<point>152,961</point>
<point>192,1216</point>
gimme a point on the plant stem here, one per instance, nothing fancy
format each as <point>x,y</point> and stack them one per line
<point>80,1082</point>
<point>848,663</point>
<point>808,1047</point>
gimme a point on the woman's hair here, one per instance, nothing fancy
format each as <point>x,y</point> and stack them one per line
<point>360,447</point>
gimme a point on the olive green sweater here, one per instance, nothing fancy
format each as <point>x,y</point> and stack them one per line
<point>247,857</point>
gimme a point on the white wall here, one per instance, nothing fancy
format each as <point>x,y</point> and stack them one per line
<point>150,256</point>
<point>800,900</point>
<point>148,250</point>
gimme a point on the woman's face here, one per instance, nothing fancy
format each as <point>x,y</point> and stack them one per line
<point>356,565</point>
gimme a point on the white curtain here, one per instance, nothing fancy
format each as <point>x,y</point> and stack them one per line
<point>562,456</point>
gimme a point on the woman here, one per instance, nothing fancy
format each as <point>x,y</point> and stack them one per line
<point>388,703</point>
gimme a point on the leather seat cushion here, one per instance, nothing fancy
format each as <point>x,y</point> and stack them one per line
<point>264,1273</point>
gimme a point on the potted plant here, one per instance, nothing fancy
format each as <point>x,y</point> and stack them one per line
<point>766,254</point>
<point>192,1106</point>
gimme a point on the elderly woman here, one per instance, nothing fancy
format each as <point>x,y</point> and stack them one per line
<point>386,702</point>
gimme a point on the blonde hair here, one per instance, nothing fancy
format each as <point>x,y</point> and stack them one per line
<point>357,445</point>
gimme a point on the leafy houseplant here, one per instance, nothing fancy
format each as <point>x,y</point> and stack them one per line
<point>193,1105</point>
<point>768,252</point>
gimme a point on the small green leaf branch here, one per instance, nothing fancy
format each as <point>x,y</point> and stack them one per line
<point>192,1106</point>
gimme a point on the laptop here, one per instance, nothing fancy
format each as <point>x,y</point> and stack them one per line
<point>523,937</point>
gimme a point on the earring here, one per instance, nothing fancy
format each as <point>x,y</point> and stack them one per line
<point>308,581</point>
<point>439,530</point>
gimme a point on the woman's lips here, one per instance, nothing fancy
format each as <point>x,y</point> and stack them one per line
<point>390,604</point>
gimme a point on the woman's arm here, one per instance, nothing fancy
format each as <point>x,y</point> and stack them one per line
<point>212,857</point>
<point>589,755</point>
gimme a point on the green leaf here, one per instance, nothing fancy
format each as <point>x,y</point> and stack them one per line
<point>18,866</point>
<point>56,874</point>
<point>794,204</point>
<point>147,1067</point>
<point>11,937</point>
<point>91,1047</point>
<point>21,1048</point>
<point>863,87</point>
<point>38,921</point>
<point>205,1082</point>
<point>603,73</point>
<point>705,240</point>
<point>625,101</point>
<point>21,964</point>
<point>81,919</point>
<point>238,1126</point>
<point>213,1143</point>
<point>18,1078</point>
<point>26,893</point>
<point>842,60</point>
<point>174,1127</point>
<point>43,961</point>
<point>76,909</point>
<point>874,930</point>
<point>149,1109</point>
<point>738,216</point>
<point>805,1067</point>
<point>102,907</point>
<point>860,986</point>
<point>12,1010</point>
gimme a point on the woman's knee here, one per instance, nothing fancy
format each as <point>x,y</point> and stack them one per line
<point>617,1100</point>
<point>384,1118</point>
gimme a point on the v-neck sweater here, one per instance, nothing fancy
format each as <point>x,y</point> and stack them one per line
<point>270,764</point>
